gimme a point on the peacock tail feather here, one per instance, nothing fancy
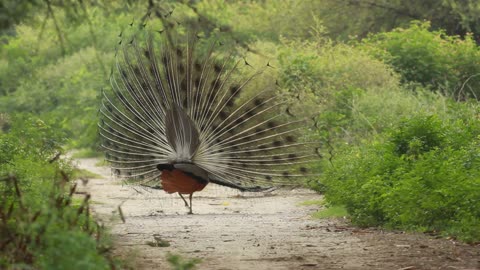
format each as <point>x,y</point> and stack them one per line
<point>171,103</point>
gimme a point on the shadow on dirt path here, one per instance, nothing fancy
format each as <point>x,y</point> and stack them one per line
<point>231,230</point>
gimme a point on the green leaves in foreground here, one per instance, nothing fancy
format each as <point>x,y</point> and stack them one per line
<point>56,234</point>
<point>44,224</point>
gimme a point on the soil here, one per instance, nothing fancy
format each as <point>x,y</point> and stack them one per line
<point>234,230</point>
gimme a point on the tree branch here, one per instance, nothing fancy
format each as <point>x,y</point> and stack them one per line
<point>57,28</point>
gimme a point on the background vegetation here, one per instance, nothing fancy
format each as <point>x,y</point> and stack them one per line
<point>395,85</point>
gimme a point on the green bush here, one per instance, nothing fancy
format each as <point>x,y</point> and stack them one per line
<point>421,175</point>
<point>355,95</point>
<point>331,79</point>
<point>448,63</point>
<point>43,225</point>
<point>325,68</point>
<point>418,135</point>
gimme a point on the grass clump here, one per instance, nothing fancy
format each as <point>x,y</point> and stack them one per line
<point>82,173</point>
<point>335,211</point>
<point>312,202</point>
<point>327,211</point>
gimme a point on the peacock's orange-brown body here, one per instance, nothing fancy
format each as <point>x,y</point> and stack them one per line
<point>178,181</point>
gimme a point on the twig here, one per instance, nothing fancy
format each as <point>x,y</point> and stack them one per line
<point>464,83</point>
<point>17,190</point>
<point>55,158</point>
<point>368,4</point>
<point>57,28</point>
<point>94,39</point>
<point>42,29</point>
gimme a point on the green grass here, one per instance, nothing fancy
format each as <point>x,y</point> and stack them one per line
<point>82,173</point>
<point>325,212</point>
<point>102,163</point>
<point>331,212</point>
<point>86,153</point>
<point>312,202</point>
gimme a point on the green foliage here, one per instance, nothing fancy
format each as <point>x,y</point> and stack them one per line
<point>418,135</point>
<point>18,11</point>
<point>312,202</point>
<point>326,211</point>
<point>251,20</point>
<point>421,175</point>
<point>324,68</point>
<point>62,84</point>
<point>355,95</point>
<point>179,263</point>
<point>428,57</point>
<point>345,18</point>
<point>333,80</point>
<point>335,211</point>
<point>44,225</point>
<point>71,250</point>
<point>82,173</point>
<point>85,153</point>
<point>339,19</point>
<point>28,136</point>
<point>13,11</point>
<point>25,150</point>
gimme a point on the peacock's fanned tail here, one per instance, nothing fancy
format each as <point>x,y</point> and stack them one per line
<point>169,104</point>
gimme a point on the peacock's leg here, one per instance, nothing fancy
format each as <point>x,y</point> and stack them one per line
<point>185,201</point>
<point>190,197</point>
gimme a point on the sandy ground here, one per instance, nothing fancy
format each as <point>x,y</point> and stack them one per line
<point>233,230</point>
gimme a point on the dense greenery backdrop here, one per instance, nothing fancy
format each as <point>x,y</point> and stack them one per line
<point>394,84</point>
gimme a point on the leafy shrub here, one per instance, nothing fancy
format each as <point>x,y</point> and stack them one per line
<point>325,68</point>
<point>43,225</point>
<point>355,95</point>
<point>421,175</point>
<point>448,63</point>
<point>418,135</point>
<point>331,79</point>
<point>376,110</point>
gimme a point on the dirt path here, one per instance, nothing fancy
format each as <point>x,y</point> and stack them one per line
<point>230,230</point>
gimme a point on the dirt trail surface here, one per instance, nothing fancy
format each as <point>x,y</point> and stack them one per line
<point>231,230</point>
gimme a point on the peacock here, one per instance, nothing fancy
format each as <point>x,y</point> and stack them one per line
<point>180,117</point>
